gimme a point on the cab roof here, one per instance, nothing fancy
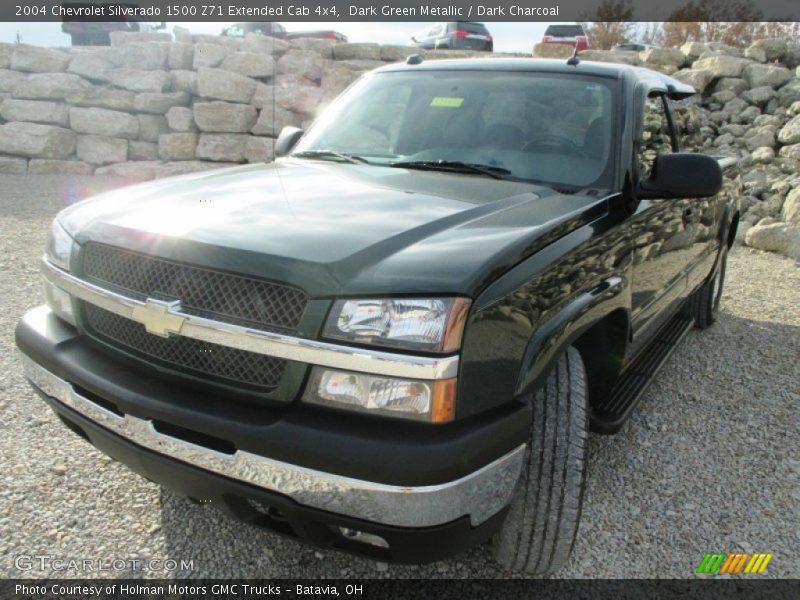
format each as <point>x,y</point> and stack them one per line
<point>653,80</point>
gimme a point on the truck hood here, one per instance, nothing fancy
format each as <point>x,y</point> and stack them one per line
<point>334,228</point>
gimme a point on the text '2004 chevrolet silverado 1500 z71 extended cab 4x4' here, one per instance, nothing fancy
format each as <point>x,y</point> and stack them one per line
<point>394,339</point>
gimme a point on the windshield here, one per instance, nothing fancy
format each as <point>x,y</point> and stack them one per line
<point>549,128</point>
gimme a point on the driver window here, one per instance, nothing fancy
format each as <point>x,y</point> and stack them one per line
<point>656,137</point>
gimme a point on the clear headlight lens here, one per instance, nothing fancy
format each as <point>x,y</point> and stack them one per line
<point>427,324</point>
<point>60,302</point>
<point>430,401</point>
<point>59,246</point>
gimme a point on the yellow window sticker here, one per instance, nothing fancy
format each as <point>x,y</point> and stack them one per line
<point>446,102</point>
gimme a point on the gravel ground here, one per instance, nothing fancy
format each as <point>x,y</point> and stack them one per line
<point>709,461</point>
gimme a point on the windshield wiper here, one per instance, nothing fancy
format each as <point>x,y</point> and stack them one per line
<point>455,166</point>
<point>323,154</point>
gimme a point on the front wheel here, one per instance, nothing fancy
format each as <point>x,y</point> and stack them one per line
<point>539,531</point>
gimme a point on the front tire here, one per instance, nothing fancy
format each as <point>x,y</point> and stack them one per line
<point>540,528</point>
<point>706,300</point>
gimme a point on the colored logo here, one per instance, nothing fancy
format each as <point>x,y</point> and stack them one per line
<point>720,563</point>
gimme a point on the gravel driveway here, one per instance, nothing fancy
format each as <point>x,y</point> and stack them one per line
<point>709,461</point>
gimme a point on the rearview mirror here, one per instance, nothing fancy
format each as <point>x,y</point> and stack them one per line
<point>287,140</point>
<point>682,175</point>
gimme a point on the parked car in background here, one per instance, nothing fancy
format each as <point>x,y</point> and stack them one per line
<point>268,28</point>
<point>458,35</point>
<point>96,33</point>
<point>569,34</point>
<point>320,34</point>
<point>632,47</point>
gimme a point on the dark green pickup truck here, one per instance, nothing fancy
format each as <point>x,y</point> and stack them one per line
<point>395,339</point>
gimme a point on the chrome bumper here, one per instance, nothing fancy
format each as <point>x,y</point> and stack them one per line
<point>480,494</point>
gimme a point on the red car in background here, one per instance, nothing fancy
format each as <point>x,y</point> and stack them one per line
<point>570,34</point>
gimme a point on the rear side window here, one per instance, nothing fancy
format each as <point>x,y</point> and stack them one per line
<point>564,30</point>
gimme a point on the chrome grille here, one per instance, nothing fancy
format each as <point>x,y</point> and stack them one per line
<point>229,365</point>
<point>216,295</point>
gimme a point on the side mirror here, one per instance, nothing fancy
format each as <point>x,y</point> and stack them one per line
<point>682,175</point>
<point>287,140</point>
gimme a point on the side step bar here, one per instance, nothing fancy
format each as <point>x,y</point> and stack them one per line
<point>609,416</point>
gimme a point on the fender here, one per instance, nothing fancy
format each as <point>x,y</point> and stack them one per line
<point>579,315</point>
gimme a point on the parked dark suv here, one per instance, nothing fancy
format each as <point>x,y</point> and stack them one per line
<point>395,339</point>
<point>571,35</point>
<point>458,35</point>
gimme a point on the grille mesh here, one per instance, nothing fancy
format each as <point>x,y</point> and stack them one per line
<point>216,295</point>
<point>220,362</point>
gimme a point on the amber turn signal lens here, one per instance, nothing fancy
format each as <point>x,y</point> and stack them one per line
<point>443,409</point>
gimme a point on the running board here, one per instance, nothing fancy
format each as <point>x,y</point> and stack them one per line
<point>609,415</point>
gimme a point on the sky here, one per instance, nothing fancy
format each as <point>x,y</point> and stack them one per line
<point>508,37</point>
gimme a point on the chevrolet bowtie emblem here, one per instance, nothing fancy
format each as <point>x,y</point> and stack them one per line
<point>159,317</point>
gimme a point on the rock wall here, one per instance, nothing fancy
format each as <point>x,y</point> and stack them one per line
<point>150,106</point>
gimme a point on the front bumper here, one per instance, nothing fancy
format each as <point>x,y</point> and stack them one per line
<point>93,393</point>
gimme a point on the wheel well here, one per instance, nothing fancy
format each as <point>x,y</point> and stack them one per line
<point>732,229</point>
<point>602,349</point>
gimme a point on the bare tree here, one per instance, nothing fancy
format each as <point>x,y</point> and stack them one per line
<point>610,24</point>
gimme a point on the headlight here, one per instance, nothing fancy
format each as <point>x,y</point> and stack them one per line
<point>59,246</point>
<point>427,324</point>
<point>430,401</point>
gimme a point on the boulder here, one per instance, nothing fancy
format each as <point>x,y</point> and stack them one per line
<point>763,155</point>
<point>104,122</point>
<point>359,51</point>
<point>173,169</point>
<point>47,166</point>
<point>249,64</point>
<point>790,133</point>
<point>297,94</point>
<point>120,38</point>
<point>6,52</point>
<point>209,55</point>
<point>50,86</point>
<point>138,55</point>
<point>303,63</point>
<point>757,137</point>
<point>184,81</point>
<point>722,65</point>
<point>131,171</point>
<point>11,165</point>
<point>151,127</point>
<point>142,150</point>
<point>218,84</point>
<point>773,76</point>
<point>101,150</point>
<point>262,44</point>
<point>697,78</point>
<point>8,79</point>
<point>36,141</point>
<point>730,84</point>
<point>90,66</point>
<point>791,151</point>
<point>138,80</point>
<point>791,207</point>
<point>756,53</point>
<point>781,238</point>
<point>156,103</point>
<point>624,58</point>
<point>224,117</point>
<point>662,56</point>
<point>36,59</point>
<point>259,149</point>
<point>177,146</point>
<point>759,95</point>
<point>272,119</point>
<point>35,111</point>
<point>234,44</point>
<point>222,147</point>
<point>789,93</point>
<point>693,50</point>
<point>773,48</point>
<point>102,97</point>
<point>181,56</point>
<point>181,119</point>
<point>393,53</point>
